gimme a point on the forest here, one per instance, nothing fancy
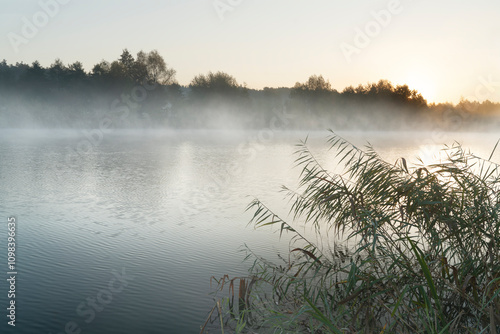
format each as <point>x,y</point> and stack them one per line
<point>142,92</point>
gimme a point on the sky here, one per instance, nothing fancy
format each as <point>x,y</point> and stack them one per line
<point>447,49</point>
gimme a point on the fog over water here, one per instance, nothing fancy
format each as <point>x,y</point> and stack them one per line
<point>166,205</point>
<point>134,136</point>
<point>123,172</point>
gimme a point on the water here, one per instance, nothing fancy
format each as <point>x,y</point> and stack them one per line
<point>165,209</point>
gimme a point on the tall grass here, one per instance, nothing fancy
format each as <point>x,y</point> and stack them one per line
<point>426,257</point>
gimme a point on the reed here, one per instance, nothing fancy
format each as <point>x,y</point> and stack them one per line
<point>426,257</point>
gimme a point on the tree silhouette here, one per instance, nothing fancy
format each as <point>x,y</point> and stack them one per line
<point>218,83</point>
<point>151,68</point>
<point>313,96</point>
<point>57,73</point>
<point>384,91</point>
<point>101,70</point>
<point>127,60</point>
<point>68,96</point>
<point>314,83</point>
<point>76,73</point>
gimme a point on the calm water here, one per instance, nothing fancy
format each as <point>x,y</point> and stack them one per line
<point>165,209</point>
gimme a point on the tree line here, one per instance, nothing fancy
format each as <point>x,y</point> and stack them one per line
<point>63,95</point>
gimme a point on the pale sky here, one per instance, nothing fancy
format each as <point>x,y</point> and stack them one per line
<point>445,49</point>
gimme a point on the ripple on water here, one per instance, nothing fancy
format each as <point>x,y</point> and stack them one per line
<point>164,209</point>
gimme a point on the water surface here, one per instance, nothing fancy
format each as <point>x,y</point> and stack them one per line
<point>166,208</point>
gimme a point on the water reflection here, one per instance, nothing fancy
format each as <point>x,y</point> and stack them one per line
<point>169,208</point>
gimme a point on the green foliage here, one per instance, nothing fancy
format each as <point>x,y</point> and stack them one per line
<point>423,254</point>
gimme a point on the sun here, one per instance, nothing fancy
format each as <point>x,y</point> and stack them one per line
<point>424,84</point>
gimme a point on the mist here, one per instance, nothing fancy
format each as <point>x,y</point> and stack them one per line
<point>124,169</point>
<point>142,93</point>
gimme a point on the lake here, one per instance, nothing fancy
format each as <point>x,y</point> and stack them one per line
<point>121,232</point>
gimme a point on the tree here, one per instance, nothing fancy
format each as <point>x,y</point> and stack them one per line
<point>57,73</point>
<point>410,96</point>
<point>35,72</point>
<point>314,87</point>
<point>220,82</point>
<point>385,91</point>
<point>5,73</point>
<point>101,69</point>
<point>151,68</point>
<point>128,63</point>
<point>35,79</point>
<point>118,71</point>
<point>76,73</point>
<point>127,59</point>
<point>315,83</point>
<point>157,69</point>
<point>315,95</point>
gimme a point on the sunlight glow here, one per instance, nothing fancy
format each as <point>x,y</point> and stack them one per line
<point>431,154</point>
<point>424,84</point>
